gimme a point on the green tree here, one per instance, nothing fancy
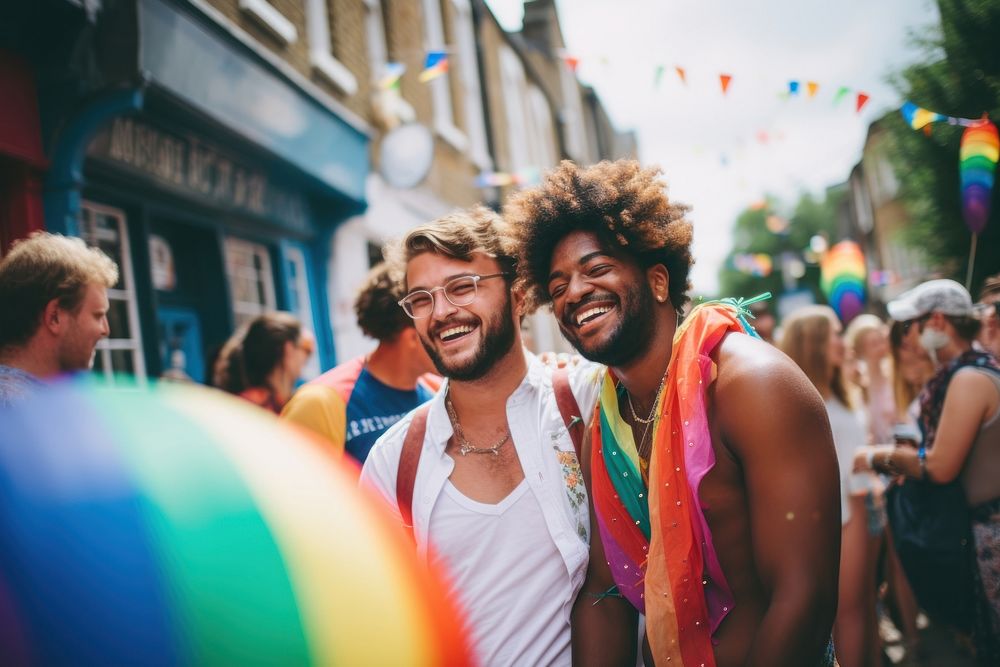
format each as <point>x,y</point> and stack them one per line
<point>810,217</point>
<point>959,77</point>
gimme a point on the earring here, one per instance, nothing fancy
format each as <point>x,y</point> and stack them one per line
<point>659,297</point>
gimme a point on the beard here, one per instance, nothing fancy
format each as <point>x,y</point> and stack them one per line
<point>497,338</point>
<point>629,338</point>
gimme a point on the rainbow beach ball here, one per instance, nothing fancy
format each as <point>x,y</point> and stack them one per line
<point>179,525</point>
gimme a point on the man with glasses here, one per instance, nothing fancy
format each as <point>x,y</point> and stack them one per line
<point>351,405</point>
<point>494,488</point>
<point>988,312</point>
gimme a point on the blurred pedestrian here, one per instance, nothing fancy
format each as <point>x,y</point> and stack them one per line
<point>867,338</point>
<point>351,405</point>
<point>54,306</point>
<point>910,369</point>
<point>952,495</point>
<point>262,361</point>
<point>812,338</point>
<point>988,311</point>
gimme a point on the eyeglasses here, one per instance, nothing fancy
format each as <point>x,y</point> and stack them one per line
<point>460,291</point>
<point>906,324</point>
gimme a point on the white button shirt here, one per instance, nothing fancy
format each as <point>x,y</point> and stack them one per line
<point>544,448</point>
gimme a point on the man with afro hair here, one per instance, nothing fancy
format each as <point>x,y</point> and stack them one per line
<point>711,467</point>
<point>352,404</point>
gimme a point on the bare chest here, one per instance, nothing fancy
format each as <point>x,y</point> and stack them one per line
<point>485,477</point>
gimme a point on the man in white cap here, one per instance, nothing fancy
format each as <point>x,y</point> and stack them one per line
<point>960,423</point>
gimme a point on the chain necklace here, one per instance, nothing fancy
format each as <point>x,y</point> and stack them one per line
<point>652,411</point>
<point>464,446</point>
<point>640,449</point>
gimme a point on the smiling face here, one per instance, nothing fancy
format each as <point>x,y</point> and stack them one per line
<point>603,302</point>
<point>464,342</point>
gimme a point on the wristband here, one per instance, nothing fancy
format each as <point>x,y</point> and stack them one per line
<point>922,458</point>
<point>869,459</point>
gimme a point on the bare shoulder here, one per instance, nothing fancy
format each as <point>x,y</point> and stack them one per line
<point>973,380</point>
<point>746,362</point>
<point>758,383</point>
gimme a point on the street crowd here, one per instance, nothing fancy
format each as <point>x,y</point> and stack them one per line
<point>697,487</point>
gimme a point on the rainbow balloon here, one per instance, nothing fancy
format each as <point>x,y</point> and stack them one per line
<point>183,526</point>
<point>842,278</point>
<point>977,164</point>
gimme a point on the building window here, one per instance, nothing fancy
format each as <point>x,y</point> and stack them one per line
<point>468,75</point>
<point>321,48</point>
<point>444,116</point>
<point>572,113</point>
<point>271,20</point>
<point>251,281</point>
<point>542,135</point>
<point>121,351</point>
<point>530,130</point>
<point>301,302</point>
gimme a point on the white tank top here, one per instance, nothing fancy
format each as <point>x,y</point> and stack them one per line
<point>508,575</point>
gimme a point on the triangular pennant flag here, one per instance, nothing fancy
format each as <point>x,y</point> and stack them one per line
<point>724,79</point>
<point>571,61</point>
<point>435,65</point>
<point>812,88</point>
<point>862,101</point>
<point>841,94</point>
<point>681,74</point>
<point>793,88</point>
<point>918,117</point>
<point>391,73</point>
<point>658,76</point>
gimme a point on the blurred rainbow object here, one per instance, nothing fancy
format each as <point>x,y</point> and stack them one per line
<point>758,265</point>
<point>182,526</point>
<point>842,279</point>
<point>977,164</point>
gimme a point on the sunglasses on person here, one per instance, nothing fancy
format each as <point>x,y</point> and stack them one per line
<point>460,291</point>
<point>906,324</point>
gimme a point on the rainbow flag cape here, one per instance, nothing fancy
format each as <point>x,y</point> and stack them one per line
<point>653,536</point>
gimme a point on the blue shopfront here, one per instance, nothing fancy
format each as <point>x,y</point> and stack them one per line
<point>216,183</point>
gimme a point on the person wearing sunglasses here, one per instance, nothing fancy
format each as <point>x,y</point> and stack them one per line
<point>946,515</point>
<point>988,312</point>
<point>495,489</point>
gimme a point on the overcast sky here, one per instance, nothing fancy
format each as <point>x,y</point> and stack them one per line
<point>711,146</point>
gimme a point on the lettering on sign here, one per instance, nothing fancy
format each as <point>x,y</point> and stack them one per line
<point>197,168</point>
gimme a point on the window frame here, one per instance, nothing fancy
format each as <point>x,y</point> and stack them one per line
<point>126,293</point>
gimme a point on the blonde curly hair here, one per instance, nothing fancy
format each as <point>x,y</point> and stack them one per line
<point>625,204</point>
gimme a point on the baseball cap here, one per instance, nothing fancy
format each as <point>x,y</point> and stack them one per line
<point>945,296</point>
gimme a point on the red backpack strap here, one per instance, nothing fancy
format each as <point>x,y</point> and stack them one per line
<point>409,459</point>
<point>569,409</point>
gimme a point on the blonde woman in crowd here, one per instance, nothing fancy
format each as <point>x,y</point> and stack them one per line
<point>868,338</point>
<point>812,338</point>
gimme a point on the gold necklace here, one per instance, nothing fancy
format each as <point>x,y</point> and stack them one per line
<point>464,446</point>
<point>652,415</point>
